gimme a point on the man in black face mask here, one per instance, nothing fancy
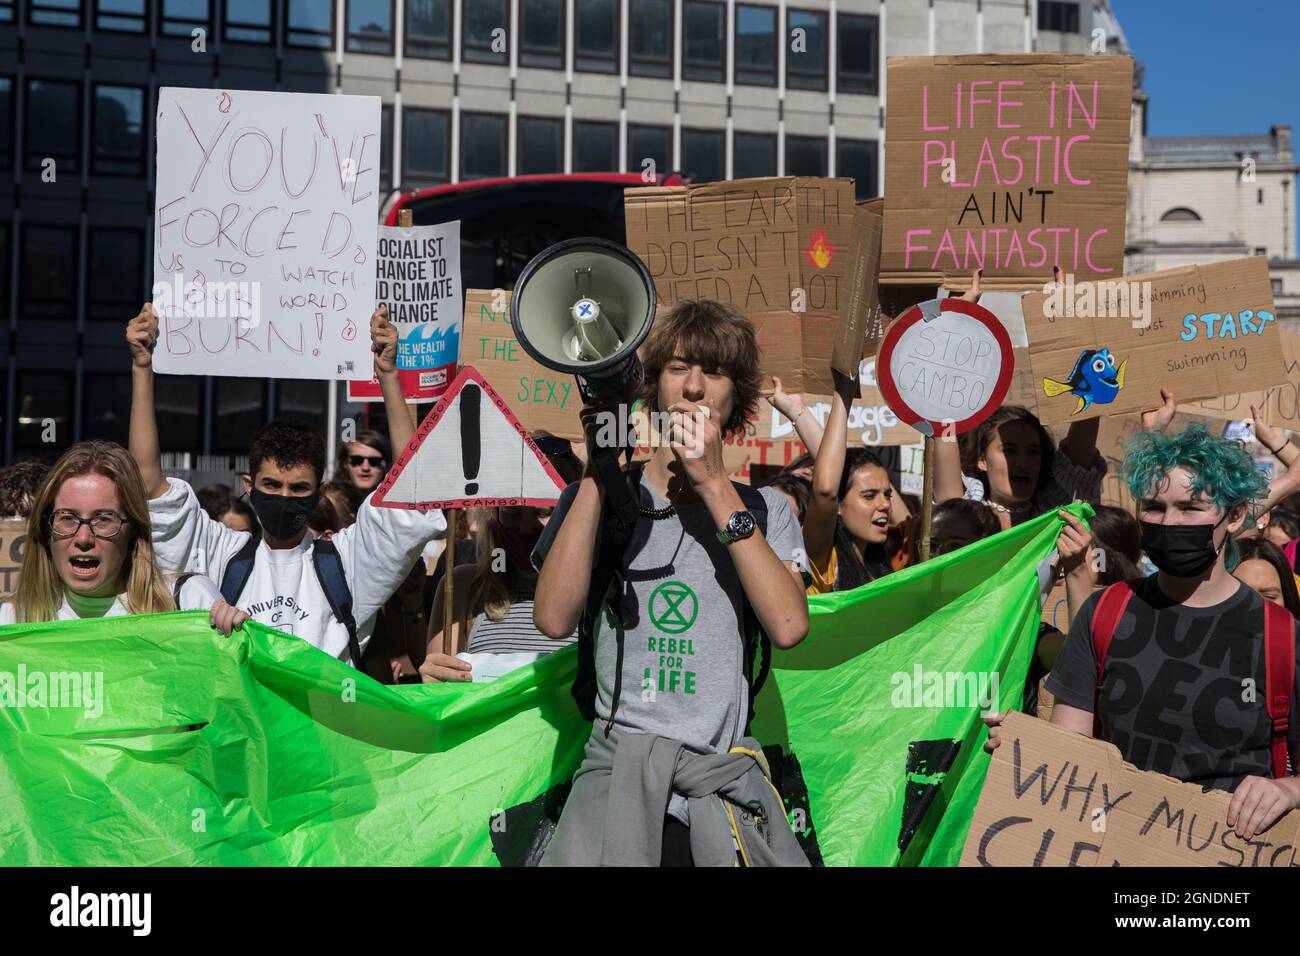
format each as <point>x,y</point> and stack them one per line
<point>1189,672</point>
<point>326,592</point>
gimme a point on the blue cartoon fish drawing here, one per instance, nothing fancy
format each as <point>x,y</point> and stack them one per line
<point>1095,379</point>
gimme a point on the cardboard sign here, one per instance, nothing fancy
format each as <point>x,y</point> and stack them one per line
<point>542,398</point>
<point>470,451</point>
<point>1056,798</point>
<point>945,365</point>
<point>264,232</point>
<point>1010,163</point>
<point>781,250</point>
<point>1200,331</point>
<point>13,539</point>
<point>418,278</point>
<point>860,331</point>
<point>1056,609</point>
<point>1280,404</point>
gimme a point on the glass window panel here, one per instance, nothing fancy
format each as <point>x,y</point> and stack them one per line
<point>43,396</point>
<point>482,17</point>
<point>118,146</point>
<point>650,38</point>
<point>596,36</point>
<point>541,145</point>
<point>370,26</point>
<point>805,69</point>
<point>856,158</point>
<point>180,17</point>
<point>542,30</point>
<point>127,16</point>
<point>49,273</point>
<point>53,124</point>
<point>753,154</point>
<point>650,142</point>
<point>116,265</point>
<point>805,156</point>
<point>756,45</point>
<point>425,143</point>
<point>428,29</point>
<point>702,155</point>
<point>248,21</point>
<point>705,55</point>
<point>483,145</point>
<point>858,56</point>
<point>55,13</point>
<point>595,147</point>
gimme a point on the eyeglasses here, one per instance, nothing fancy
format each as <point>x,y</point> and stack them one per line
<point>375,461</point>
<point>103,524</point>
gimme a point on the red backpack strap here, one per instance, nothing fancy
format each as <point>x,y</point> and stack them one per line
<point>1279,678</point>
<point>1290,551</point>
<point>1105,619</point>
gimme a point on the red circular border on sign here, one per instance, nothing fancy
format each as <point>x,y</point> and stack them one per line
<point>885,377</point>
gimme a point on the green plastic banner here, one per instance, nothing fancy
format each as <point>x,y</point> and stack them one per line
<point>156,741</point>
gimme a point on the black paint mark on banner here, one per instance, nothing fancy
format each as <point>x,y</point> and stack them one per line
<point>927,763</point>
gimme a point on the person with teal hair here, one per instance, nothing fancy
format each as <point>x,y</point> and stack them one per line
<point>1180,687</point>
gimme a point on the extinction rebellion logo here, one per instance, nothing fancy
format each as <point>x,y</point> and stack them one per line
<point>673,607</point>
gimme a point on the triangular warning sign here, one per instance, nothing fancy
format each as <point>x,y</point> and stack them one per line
<point>470,451</point>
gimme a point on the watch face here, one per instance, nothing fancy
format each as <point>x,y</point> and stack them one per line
<point>741,524</point>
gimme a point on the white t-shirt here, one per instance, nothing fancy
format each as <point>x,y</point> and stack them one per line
<point>283,592</point>
<point>198,593</point>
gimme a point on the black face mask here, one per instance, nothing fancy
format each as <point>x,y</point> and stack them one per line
<point>1185,551</point>
<point>283,516</point>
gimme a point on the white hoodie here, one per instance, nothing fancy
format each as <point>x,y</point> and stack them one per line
<point>283,592</point>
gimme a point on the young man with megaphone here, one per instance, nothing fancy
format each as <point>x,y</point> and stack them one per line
<point>675,607</point>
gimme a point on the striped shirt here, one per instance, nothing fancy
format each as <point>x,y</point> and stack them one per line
<point>515,633</point>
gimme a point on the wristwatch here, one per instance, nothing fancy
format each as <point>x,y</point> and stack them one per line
<point>739,527</point>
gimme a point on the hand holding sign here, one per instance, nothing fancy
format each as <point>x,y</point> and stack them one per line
<point>142,336</point>
<point>383,341</point>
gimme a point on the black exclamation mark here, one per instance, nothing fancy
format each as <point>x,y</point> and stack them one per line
<point>470,443</point>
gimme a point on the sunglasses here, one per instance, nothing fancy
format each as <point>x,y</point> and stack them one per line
<point>376,461</point>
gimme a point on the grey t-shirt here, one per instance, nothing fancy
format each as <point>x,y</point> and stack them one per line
<point>682,650</point>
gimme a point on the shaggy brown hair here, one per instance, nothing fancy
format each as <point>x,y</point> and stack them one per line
<point>716,336</point>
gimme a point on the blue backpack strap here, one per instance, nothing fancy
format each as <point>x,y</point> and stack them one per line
<point>329,571</point>
<point>238,570</point>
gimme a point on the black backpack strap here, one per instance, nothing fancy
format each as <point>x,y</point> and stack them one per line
<point>238,570</point>
<point>329,571</point>
<point>180,583</point>
<point>757,642</point>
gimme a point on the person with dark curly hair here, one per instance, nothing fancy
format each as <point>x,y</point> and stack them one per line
<point>1166,669</point>
<point>19,484</point>
<point>327,592</point>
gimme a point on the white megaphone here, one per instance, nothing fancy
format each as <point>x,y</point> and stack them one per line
<point>584,306</point>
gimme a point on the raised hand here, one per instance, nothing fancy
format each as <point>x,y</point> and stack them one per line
<point>791,406</point>
<point>695,438</point>
<point>142,336</point>
<point>1158,419</point>
<point>383,341</point>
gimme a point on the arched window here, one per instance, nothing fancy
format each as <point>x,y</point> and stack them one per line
<point>1180,214</point>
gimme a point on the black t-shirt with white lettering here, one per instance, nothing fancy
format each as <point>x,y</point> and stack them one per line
<point>1183,692</point>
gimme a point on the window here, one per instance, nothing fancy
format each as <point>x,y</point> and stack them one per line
<point>753,154</point>
<point>49,273</point>
<point>595,36</point>
<point>178,400</point>
<point>1261,250</point>
<point>805,63</point>
<point>370,26</point>
<point>6,11</point>
<point>703,30</point>
<point>248,21</point>
<point>118,124</point>
<point>1181,214</point>
<point>1277,286</point>
<point>702,157</point>
<point>650,38</point>
<point>44,397</point>
<point>649,142</point>
<point>482,145</point>
<point>856,159</point>
<point>311,24</point>
<point>240,408</point>
<point>54,13</point>
<point>106,407</point>
<point>428,29</point>
<point>301,398</point>
<point>53,124</point>
<point>116,263</point>
<point>755,45</point>
<point>805,156</point>
<point>595,147</point>
<point>1058,16</point>
<point>858,56</point>
<point>540,145</point>
<point>541,28</point>
<point>482,18</point>
<point>182,17</point>
<point>6,123</point>
<point>426,147</point>
<point>125,16</point>
<point>386,147</point>
<point>4,273</point>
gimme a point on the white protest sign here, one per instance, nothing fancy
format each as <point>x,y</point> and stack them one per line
<point>945,365</point>
<point>418,278</point>
<point>264,232</point>
<point>470,451</point>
